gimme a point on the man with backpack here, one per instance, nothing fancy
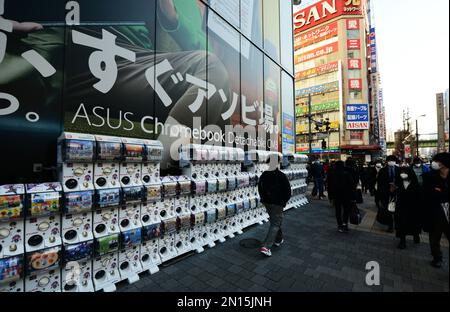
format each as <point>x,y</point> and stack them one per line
<point>275,191</point>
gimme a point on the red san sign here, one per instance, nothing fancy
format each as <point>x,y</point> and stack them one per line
<point>353,44</point>
<point>324,11</point>
<point>321,33</point>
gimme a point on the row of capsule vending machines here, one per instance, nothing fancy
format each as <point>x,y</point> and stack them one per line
<point>112,216</point>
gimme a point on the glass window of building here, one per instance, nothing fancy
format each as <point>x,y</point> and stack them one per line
<point>354,54</point>
<point>251,20</point>
<point>353,34</point>
<point>224,69</point>
<point>354,74</point>
<point>286,35</point>
<point>272,28</point>
<point>252,83</point>
<point>229,10</point>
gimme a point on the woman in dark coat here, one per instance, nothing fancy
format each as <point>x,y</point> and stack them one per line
<point>407,211</point>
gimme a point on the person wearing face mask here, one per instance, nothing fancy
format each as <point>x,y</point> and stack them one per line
<point>378,167</point>
<point>407,210</point>
<point>436,205</point>
<point>372,178</point>
<point>318,174</point>
<point>386,188</point>
<point>419,169</point>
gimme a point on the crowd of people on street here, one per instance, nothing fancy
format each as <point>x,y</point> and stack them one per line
<point>411,198</point>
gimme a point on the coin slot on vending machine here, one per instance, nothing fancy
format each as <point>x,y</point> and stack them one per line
<point>77,218</point>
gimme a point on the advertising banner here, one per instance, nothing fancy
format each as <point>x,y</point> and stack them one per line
<point>327,87</point>
<point>310,55</point>
<point>128,69</point>
<point>357,116</point>
<point>318,108</point>
<point>373,51</point>
<point>316,71</point>
<point>353,44</point>
<point>319,34</point>
<point>324,11</point>
<point>288,133</point>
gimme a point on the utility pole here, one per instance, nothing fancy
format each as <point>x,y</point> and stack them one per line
<point>310,123</point>
<point>417,138</point>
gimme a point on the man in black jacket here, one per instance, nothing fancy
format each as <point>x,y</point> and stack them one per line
<point>386,190</point>
<point>275,191</point>
<point>436,205</point>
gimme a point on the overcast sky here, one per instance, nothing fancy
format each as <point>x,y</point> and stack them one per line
<point>413,51</point>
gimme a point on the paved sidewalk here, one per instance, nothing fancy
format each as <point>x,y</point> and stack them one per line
<point>315,257</point>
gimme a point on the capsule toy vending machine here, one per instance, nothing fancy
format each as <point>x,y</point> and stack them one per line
<point>131,165</point>
<point>77,269</point>
<point>183,212</point>
<point>43,216</point>
<point>106,212</point>
<point>151,168</point>
<point>149,249</point>
<point>76,154</point>
<point>12,225</point>
<point>43,272</point>
<point>107,162</point>
<point>167,242</point>
<point>196,232</point>
<point>77,218</point>
<point>11,274</point>
<point>105,263</point>
<point>129,255</point>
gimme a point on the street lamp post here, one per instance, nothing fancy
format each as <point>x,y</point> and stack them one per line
<point>417,135</point>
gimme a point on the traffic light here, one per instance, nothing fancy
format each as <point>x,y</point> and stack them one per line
<point>324,145</point>
<point>328,125</point>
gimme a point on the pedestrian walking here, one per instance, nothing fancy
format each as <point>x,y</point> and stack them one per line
<point>318,175</point>
<point>371,178</point>
<point>386,187</point>
<point>436,205</point>
<point>419,169</point>
<point>408,204</point>
<point>341,193</point>
<point>275,191</point>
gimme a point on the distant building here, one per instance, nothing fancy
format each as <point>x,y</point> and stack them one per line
<point>336,68</point>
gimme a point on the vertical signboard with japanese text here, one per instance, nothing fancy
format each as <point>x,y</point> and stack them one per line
<point>357,116</point>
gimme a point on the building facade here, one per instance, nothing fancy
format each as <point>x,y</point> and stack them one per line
<point>144,69</point>
<point>336,68</point>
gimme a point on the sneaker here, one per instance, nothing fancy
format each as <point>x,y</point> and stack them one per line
<point>280,243</point>
<point>345,228</point>
<point>266,251</point>
<point>340,229</point>
<point>436,264</point>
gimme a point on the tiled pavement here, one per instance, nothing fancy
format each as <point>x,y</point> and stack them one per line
<point>315,257</point>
